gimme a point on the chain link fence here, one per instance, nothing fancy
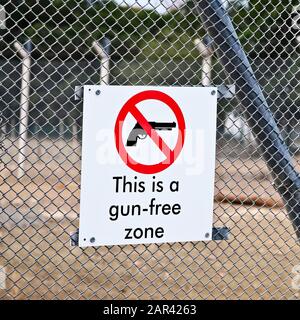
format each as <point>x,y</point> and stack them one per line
<point>153,42</point>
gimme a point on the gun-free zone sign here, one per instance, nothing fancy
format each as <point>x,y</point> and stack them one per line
<point>148,161</point>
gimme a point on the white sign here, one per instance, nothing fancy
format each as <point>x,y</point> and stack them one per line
<point>148,163</point>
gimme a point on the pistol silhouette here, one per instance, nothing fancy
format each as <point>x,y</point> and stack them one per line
<point>139,133</point>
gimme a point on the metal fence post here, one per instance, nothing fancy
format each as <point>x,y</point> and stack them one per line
<point>206,51</point>
<point>24,105</point>
<point>104,59</point>
<point>258,115</point>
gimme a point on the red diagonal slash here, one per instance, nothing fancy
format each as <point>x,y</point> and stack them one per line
<point>157,139</point>
<point>130,107</point>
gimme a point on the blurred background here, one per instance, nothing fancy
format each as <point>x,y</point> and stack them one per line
<point>152,42</point>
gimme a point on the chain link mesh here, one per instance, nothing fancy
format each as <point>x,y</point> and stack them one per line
<point>152,43</point>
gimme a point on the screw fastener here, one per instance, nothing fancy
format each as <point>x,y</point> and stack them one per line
<point>92,240</point>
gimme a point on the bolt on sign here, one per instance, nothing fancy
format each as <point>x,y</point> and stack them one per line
<point>148,163</point>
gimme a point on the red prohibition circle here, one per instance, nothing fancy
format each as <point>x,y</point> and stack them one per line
<point>130,107</point>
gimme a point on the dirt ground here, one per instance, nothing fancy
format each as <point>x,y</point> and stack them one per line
<point>39,211</point>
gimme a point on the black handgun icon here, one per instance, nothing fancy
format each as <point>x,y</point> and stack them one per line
<point>139,133</point>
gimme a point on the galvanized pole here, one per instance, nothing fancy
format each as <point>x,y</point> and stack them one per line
<point>104,60</point>
<point>206,52</point>
<point>256,111</point>
<point>24,105</point>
